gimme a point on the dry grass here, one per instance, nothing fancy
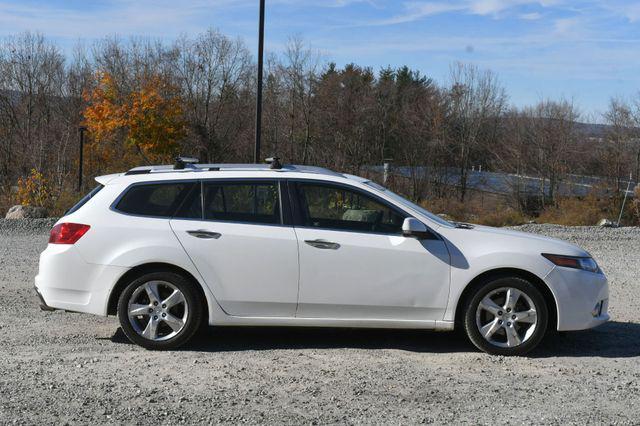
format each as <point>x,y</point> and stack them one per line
<point>567,211</point>
<point>574,211</point>
<point>483,210</point>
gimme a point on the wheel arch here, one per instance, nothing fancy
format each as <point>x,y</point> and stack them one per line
<point>487,276</point>
<point>139,270</point>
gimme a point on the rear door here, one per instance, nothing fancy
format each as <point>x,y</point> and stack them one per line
<point>355,263</point>
<point>236,235</point>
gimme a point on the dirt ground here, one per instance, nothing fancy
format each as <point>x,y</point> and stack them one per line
<point>58,367</point>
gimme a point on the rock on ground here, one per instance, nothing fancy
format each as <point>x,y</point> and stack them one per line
<point>26,212</point>
<point>58,367</point>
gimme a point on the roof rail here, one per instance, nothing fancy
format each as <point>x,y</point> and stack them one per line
<point>273,162</point>
<point>182,162</point>
<point>191,167</point>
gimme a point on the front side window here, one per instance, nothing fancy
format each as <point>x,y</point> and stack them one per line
<point>251,202</point>
<point>155,199</point>
<point>336,207</point>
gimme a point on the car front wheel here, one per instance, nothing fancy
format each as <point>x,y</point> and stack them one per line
<point>506,316</point>
<point>160,310</point>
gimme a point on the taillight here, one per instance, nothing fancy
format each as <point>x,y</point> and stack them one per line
<point>67,233</point>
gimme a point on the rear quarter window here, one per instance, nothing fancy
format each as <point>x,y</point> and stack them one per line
<point>155,199</point>
<point>84,200</point>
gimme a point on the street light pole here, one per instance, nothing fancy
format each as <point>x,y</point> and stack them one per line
<point>256,155</point>
<point>81,129</point>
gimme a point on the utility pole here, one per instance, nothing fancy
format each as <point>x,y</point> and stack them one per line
<point>256,155</point>
<point>81,129</point>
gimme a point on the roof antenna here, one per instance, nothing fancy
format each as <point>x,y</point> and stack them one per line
<point>182,162</point>
<point>273,162</point>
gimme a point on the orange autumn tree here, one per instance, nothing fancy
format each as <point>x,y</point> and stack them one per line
<point>146,122</point>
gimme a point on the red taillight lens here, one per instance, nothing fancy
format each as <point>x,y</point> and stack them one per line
<point>67,233</point>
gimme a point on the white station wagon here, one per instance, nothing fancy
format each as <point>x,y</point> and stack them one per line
<point>170,248</point>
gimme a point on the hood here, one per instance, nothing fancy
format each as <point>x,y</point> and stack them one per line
<point>507,239</point>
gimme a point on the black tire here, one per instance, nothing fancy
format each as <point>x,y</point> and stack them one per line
<point>189,310</point>
<point>494,288</point>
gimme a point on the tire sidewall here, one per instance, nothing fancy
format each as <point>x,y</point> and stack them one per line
<point>194,319</point>
<point>481,291</point>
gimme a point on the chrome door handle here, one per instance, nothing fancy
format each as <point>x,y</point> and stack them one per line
<point>323,244</point>
<point>203,233</point>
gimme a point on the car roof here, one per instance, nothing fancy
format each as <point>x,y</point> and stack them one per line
<point>221,170</point>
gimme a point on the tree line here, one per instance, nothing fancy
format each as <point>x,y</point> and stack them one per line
<point>144,101</point>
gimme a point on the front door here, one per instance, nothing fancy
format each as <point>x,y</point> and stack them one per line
<point>241,248</point>
<point>355,263</point>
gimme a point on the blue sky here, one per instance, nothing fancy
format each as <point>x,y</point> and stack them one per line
<point>585,50</point>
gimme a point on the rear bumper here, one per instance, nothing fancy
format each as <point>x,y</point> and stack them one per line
<point>43,304</point>
<point>582,298</point>
<point>66,281</point>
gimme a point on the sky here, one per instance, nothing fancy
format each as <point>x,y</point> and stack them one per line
<point>585,50</point>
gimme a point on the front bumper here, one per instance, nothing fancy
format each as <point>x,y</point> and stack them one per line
<point>582,298</point>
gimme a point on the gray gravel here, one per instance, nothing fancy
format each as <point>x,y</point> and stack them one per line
<point>71,368</point>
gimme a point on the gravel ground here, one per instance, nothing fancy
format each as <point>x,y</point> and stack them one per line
<point>72,368</point>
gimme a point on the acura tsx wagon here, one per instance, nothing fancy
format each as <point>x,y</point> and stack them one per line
<point>170,248</point>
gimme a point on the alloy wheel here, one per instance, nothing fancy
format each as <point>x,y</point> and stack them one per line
<point>506,317</point>
<point>157,310</point>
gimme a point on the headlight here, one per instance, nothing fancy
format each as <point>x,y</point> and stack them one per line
<point>584,263</point>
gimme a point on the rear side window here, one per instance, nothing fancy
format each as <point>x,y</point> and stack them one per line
<point>156,199</point>
<point>250,202</point>
<point>84,199</point>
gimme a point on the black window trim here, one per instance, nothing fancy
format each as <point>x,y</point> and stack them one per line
<point>298,218</point>
<point>114,205</point>
<point>285,207</point>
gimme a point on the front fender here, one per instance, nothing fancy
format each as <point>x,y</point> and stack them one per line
<point>465,271</point>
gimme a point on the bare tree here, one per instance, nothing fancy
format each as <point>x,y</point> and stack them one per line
<point>618,139</point>
<point>476,103</point>
<point>301,69</point>
<point>552,134</point>
<point>214,73</point>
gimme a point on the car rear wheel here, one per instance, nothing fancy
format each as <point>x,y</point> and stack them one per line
<point>506,316</point>
<point>160,310</point>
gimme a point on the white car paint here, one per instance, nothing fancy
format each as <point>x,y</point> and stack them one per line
<point>372,276</point>
<point>252,269</point>
<point>268,275</point>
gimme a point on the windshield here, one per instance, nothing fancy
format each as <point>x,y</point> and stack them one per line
<point>401,200</point>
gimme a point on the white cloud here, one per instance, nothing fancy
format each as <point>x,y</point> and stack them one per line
<point>533,16</point>
<point>629,10</point>
<point>568,26</point>
<point>416,10</point>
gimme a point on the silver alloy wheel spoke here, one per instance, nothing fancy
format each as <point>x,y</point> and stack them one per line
<point>512,336</point>
<point>490,328</point>
<point>152,291</point>
<point>137,309</point>
<point>173,300</point>
<point>530,316</point>
<point>491,306</point>
<point>175,323</point>
<point>151,330</point>
<point>512,298</point>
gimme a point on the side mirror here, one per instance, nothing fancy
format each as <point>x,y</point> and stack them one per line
<point>413,228</point>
